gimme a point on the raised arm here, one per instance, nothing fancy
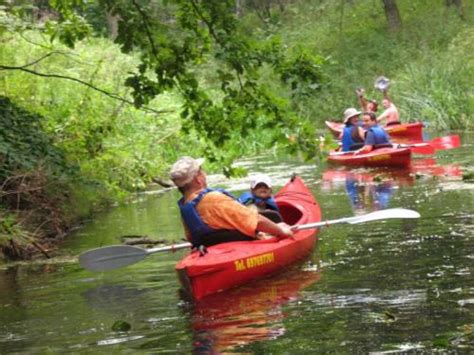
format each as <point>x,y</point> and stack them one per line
<point>361,98</point>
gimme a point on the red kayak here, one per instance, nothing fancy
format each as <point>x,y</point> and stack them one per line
<point>232,264</point>
<point>402,130</point>
<point>378,157</point>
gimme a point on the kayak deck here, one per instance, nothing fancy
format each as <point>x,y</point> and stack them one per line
<point>232,264</point>
<point>376,158</point>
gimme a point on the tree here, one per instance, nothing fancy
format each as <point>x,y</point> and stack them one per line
<point>392,14</point>
<point>174,47</point>
<point>458,5</point>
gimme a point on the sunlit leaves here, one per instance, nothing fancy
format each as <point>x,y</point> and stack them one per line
<point>194,32</point>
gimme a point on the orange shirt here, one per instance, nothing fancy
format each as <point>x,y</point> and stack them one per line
<point>219,211</point>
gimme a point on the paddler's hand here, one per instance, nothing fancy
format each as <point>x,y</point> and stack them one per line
<point>285,230</point>
<point>360,92</point>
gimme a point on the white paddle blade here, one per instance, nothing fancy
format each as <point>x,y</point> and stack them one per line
<point>385,214</point>
<point>112,257</point>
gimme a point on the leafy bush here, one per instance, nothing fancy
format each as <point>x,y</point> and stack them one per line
<point>110,142</point>
<point>427,59</point>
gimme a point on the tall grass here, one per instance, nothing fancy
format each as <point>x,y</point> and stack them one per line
<point>429,60</point>
<point>439,89</point>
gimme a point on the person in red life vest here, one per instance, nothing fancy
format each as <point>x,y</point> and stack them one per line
<point>365,104</point>
<point>214,216</point>
<point>375,136</point>
<point>352,135</point>
<point>260,196</point>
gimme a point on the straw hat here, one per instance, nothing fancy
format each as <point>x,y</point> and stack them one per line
<point>349,113</point>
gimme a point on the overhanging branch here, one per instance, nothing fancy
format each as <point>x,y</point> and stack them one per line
<point>57,76</point>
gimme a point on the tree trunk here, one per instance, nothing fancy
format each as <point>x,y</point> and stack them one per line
<point>112,23</point>
<point>392,14</point>
<point>459,7</point>
<point>238,8</point>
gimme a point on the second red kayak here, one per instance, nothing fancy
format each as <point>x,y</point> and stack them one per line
<point>377,158</point>
<point>402,130</point>
<point>232,264</point>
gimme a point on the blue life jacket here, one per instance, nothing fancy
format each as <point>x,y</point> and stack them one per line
<point>380,136</point>
<point>248,198</point>
<point>348,134</point>
<point>191,218</point>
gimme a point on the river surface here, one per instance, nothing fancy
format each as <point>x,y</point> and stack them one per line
<point>381,287</point>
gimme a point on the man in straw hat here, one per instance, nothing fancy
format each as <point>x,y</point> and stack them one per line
<point>214,216</point>
<point>352,135</point>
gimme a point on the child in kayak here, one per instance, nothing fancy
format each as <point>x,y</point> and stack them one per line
<point>260,196</point>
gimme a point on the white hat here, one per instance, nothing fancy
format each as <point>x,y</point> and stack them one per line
<point>184,170</point>
<point>382,83</point>
<point>261,179</point>
<point>349,113</point>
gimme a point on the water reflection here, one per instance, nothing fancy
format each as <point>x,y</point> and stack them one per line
<point>362,196</point>
<point>114,299</point>
<point>247,314</point>
<point>372,189</point>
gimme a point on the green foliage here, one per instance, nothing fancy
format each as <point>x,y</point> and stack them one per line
<point>198,32</point>
<point>113,145</point>
<point>428,60</point>
<point>121,326</point>
<point>303,72</point>
<point>23,143</point>
<point>9,228</point>
<point>439,88</point>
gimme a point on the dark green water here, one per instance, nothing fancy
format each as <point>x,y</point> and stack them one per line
<point>399,285</point>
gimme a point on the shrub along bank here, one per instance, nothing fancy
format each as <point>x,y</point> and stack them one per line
<point>65,149</point>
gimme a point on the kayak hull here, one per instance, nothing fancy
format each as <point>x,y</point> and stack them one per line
<point>377,158</point>
<point>228,265</point>
<point>403,130</point>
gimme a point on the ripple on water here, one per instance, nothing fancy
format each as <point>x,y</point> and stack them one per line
<point>406,298</point>
<point>113,341</point>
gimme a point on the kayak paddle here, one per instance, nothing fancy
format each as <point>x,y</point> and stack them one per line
<point>419,148</point>
<point>373,216</point>
<point>116,256</point>
<point>429,147</point>
<point>446,142</point>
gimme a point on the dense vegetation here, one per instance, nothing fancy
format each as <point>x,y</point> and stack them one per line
<point>99,97</point>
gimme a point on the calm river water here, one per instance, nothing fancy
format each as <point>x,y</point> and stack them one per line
<point>381,287</point>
